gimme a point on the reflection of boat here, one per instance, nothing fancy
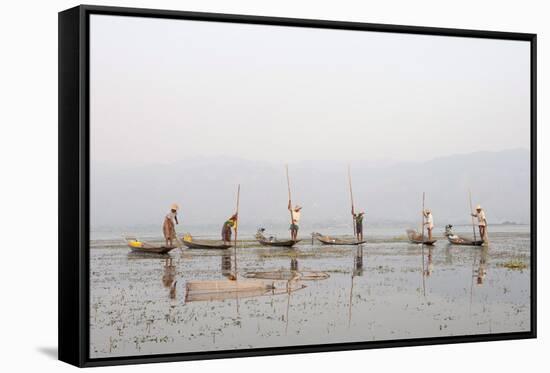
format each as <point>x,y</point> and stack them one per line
<point>145,247</point>
<point>286,275</point>
<point>203,244</point>
<point>212,290</point>
<point>272,241</point>
<point>415,237</point>
<point>328,240</point>
<point>456,240</point>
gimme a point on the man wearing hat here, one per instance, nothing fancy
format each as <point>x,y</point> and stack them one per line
<point>169,225</point>
<point>429,223</point>
<point>358,218</point>
<point>295,220</point>
<point>481,221</point>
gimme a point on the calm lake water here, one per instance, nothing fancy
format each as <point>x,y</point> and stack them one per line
<point>388,289</point>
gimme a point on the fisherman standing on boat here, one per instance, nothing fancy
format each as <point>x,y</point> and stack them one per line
<point>429,223</point>
<point>358,218</point>
<point>295,216</point>
<point>481,222</point>
<point>169,225</point>
<point>230,223</point>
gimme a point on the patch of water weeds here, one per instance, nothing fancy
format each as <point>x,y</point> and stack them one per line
<point>514,264</point>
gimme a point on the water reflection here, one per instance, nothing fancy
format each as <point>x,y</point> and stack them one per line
<point>430,264</point>
<point>482,269</point>
<point>358,262</point>
<point>357,271</point>
<point>169,273</point>
<point>294,264</point>
<point>448,254</point>
<point>226,265</point>
<point>169,277</point>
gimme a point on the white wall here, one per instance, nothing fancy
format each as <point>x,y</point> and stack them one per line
<point>28,153</point>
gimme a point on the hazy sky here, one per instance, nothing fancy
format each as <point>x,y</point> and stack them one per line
<point>166,90</point>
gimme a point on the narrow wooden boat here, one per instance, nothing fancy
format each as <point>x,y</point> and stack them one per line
<point>464,242</point>
<point>272,241</point>
<point>279,243</point>
<point>416,238</point>
<point>191,243</point>
<point>456,240</point>
<point>328,240</point>
<point>139,246</point>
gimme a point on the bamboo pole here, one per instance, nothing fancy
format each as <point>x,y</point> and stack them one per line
<point>471,212</point>
<point>423,208</point>
<point>423,221</point>
<point>352,205</point>
<point>236,228</point>
<point>289,199</point>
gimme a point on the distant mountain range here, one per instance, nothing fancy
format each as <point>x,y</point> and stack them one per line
<point>389,192</point>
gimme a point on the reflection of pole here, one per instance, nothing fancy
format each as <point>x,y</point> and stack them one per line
<point>472,282</point>
<point>287,305</point>
<point>423,274</point>
<point>350,299</point>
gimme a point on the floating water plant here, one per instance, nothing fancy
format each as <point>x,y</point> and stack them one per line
<point>514,264</point>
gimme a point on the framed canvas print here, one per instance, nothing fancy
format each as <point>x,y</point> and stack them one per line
<point>235,186</point>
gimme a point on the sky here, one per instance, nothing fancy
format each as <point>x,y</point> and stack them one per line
<point>169,90</point>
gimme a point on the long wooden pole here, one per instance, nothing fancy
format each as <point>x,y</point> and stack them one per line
<point>289,197</point>
<point>471,212</point>
<point>236,228</point>
<point>423,217</point>
<point>352,204</point>
<point>423,271</point>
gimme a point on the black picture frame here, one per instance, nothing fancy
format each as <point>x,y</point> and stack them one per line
<point>74,188</point>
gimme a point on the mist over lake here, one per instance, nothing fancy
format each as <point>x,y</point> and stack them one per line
<point>389,191</point>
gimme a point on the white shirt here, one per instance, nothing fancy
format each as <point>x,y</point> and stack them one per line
<point>295,216</point>
<point>481,218</point>
<point>171,216</point>
<point>430,221</point>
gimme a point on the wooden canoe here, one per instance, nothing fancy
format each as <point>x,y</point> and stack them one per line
<point>139,246</point>
<point>272,241</point>
<point>416,238</point>
<point>200,244</point>
<point>426,242</point>
<point>464,242</point>
<point>457,240</point>
<point>279,243</point>
<point>328,240</point>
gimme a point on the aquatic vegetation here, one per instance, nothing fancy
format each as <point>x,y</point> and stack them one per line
<point>514,264</point>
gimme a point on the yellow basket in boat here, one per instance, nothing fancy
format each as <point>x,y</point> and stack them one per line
<point>135,244</point>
